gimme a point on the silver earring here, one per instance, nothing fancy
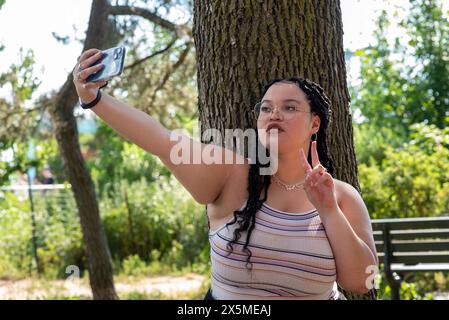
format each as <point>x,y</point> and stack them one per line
<point>312,138</point>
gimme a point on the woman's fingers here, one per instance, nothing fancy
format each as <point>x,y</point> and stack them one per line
<point>318,169</point>
<point>315,158</point>
<point>83,69</point>
<point>324,179</point>
<point>88,53</point>
<point>304,163</point>
<point>102,84</point>
<point>314,175</point>
<point>84,74</point>
<point>84,64</point>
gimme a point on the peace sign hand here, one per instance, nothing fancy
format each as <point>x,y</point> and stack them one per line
<point>319,184</point>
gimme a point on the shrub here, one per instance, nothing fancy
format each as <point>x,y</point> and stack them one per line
<point>411,181</point>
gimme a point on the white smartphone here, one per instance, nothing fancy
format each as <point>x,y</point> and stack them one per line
<point>113,61</point>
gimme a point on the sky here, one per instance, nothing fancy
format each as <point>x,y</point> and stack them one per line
<point>29,25</point>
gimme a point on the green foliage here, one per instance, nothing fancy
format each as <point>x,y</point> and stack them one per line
<point>371,142</point>
<point>402,140</point>
<point>157,222</point>
<point>59,235</point>
<point>379,95</point>
<point>406,83</point>
<point>410,181</point>
<point>15,237</point>
<point>19,121</point>
<point>57,229</point>
<point>419,289</point>
<point>133,266</point>
<point>408,291</point>
<point>47,153</point>
<point>151,228</point>
<point>21,81</point>
<point>428,29</point>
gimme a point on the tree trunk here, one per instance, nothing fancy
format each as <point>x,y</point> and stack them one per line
<point>241,45</point>
<point>64,124</point>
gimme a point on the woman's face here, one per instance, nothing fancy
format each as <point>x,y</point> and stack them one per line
<point>294,127</point>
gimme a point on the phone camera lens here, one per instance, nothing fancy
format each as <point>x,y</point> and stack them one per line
<point>117,53</point>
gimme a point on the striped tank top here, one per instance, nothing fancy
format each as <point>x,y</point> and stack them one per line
<point>291,259</point>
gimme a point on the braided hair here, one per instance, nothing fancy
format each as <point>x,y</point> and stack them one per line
<point>321,106</point>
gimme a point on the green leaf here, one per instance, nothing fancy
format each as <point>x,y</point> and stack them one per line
<point>359,53</point>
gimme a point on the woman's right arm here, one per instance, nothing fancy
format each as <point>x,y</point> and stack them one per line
<point>203,181</point>
<point>134,125</point>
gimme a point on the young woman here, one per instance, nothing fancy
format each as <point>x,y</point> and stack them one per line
<point>294,234</point>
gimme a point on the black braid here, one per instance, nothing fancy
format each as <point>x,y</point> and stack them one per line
<point>321,106</point>
<point>246,217</point>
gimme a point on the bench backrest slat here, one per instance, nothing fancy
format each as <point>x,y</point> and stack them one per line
<point>415,246</point>
<point>413,240</point>
<point>414,234</point>
<point>412,223</point>
<point>417,257</point>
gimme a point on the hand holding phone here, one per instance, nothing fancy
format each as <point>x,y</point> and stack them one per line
<point>113,60</point>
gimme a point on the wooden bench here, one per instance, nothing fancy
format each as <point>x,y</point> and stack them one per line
<point>411,245</point>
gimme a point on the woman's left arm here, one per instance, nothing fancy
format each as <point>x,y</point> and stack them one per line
<point>348,228</point>
<point>347,223</point>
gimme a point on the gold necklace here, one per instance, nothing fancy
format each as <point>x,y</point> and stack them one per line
<point>289,187</point>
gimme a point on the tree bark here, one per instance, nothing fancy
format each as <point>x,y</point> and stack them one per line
<point>64,125</point>
<point>241,45</point>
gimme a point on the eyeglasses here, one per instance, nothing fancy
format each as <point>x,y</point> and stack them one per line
<point>263,110</point>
